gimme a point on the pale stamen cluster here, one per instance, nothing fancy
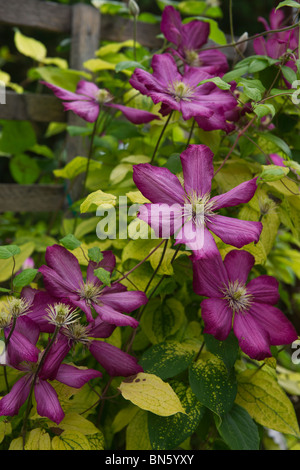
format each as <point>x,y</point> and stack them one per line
<point>17,307</point>
<point>180,91</point>
<point>77,333</point>
<point>103,96</point>
<point>192,58</point>
<point>89,292</point>
<point>197,208</point>
<point>61,314</point>
<point>237,297</point>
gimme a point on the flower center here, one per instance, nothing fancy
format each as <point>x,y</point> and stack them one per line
<point>89,292</point>
<point>61,314</point>
<point>192,58</point>
<point>235,293</point>
<point>77,333</point>
<point>103,96</point>
<point>180,91</point>
<point>198,208</point>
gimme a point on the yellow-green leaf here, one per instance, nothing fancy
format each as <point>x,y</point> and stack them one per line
<point>261,395</point>
<point>70,441</point>
<point>137,436</point>
<point>150,393</point>
<point>77,166</point>
<point>97,198</point>
<point>96,441</point>
<point>6,265</point>
<point>38,439</point>
<point>136,197</point>
<point>5,429</point>
<point>30,47</point>
<point>73,422</point>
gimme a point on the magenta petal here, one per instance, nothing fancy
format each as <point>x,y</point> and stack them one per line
<point>195,108</point>
<point>73,377</point>
<point>85,307</point>
<point>136,116</point>
<point>55,357</point>
<point>56,285</point>
<point>47,403</point>
<point>238,265</point>
<point>210,276</point>
<point>108,263</point>
<point>198,170</point>
<point>217,318</point>
<point>274,322</point>
<point>253,338</point>
<point>63,94</point>
<point>12,402</point>
<point>28,328</point>
<point>241,194</point>
<point>195,34</point>
<point>115,361</point>
<point>158,184</point>
<point>89,89</point>
<point>171,25</point>
<point>110,315</point>
<point>197,239</point>
<point>264,289</point>
<point>165,69</point>
<point>100,329</point>
<point>65,264</point>
<point>21,349</point>
<point>164,219</point>
<point>234,231</point>
<point>87,110</point>
<point>125,301</point>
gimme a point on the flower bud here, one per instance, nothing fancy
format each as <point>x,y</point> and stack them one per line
<point>133,8</point>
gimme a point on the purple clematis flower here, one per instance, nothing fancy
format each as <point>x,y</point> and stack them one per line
<point>188,211</point>
<point>63,279</point>
<point>188,39</point>
<point>114,361</point>
<point>248,308</point>
<point>88,99</point>
<point>277,44</point>
<point>206,103</point>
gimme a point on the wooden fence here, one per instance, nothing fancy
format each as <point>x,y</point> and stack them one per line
<point>85,26</point>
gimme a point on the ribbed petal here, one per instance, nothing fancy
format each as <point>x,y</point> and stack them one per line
<point>199,240</point>
<point>12,402</point>
<point>217,318</point>
<point>195,34</point>
<point>264,289</point>
<point>253,338</point>
<point>136,116</point>
<point>194,108</point>
<point>158,184</point>
<point>198,170</point>
<point>38,313</point>
<point>171,25</point>
<point>213,62</point>
<point>87,110</point>
<point>110,315</point>
<point>238,265</point>
<point>89,89</point>
<point>56,285</point>
<point>73,377</point>
<point>65,264</point>
<point>108,263</point>
<point>28,328</point>
<point>125,301</point>
<point>241,194</point>
<point>234,231</point>
<point>165,69</point>
<point>47,403</point>
<point>114,361</point>
<point>210,276</point>
<point>274,322</point>
<point>100,329</point>
<point>63,94</point>
<point>55,357</point>
<point>84,307</point>
<point>164,219</point>
<point>20,349</point>
<point>217,121</point>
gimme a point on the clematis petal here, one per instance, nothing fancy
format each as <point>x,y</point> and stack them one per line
<point>87,110</point>
<point>165,69</point>
<point>253,338</point>
<point>65,264</point>
<point>20,349</point>
<point>217,317</point>
<point>264,289</point>
<point>100,329</point>
<point>110,315</point>
<point>63,94</point>
<point>61,287</point>
<point>74,377</point>
<point>125,301</point>
<point>171,25</point>
<point>158,184</point>
<point>195,108</point>
<point>195,34</point>
<point>234,231</point>
<point>238,264</point>
<point>213,62</point>
<point>198,239</point>
<point>136,116</point>
<point>198,170</point>
<point>280,330</point>
<point>241,194</point>
<point>209,276</point>
<point>37,313</point>
<point>47,403</point>
<point>115,361</point>
<point>89,89</point>
<point>12,401</point>
<point>164,219</point>
<point>54,358</point>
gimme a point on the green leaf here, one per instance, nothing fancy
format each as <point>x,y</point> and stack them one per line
<point>95,254</point>
<point>74,422</point>
<point>227,350</point>
<point>288,3</point>
<point>25,277</point>
<point>128,64</point>
<point>70,441</point>
<point>288,72</point>
<point>238,429</point>
<point>24,169</point>
<point>192,7</point>
<point>262,110</point>
<point>167,359</point>
<point>17,136</point>
<point>277,141</point>
<point>97,198</point>
<point>70,242</point>
<point>7,251</point>
<point>137,436</point>
<point>77,166</point>
<point>30,47</point>
<point>149,392</point>
<point>211,383</point>
<point>218,82</point>
<point>273,172</point>
<point>266,402</point>
<point>252,88</point>
<point>7,264</point>
<point>103,275</point>
<point>168,432</point>
<point>38,439</point>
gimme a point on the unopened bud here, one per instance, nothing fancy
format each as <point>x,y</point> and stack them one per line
<point>133,8</point>
<point>243,46</point>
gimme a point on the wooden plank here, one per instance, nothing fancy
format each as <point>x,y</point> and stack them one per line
<point>30,198</point>
<point>32,107</point>
<point>48,16</point>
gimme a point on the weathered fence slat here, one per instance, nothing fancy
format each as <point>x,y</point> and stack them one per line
<point>30,198</point>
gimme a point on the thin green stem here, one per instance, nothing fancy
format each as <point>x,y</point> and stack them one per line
<point>134,36</point>
<point>160,137</point>
<point>191,133</point>
<point>157,267</point>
